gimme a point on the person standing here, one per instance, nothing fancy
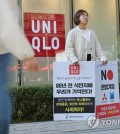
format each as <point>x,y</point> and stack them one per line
<point>82,43</point>
<point>12,41</point>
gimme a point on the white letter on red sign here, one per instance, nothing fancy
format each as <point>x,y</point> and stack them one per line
<point>44,45</point>
<point>55,39</point>
<point>54,26</point>
<point>37,26</point>
<point>36,43</point>
<point>46,26</point>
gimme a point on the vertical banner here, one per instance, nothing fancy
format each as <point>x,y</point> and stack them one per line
<point>73,90</point>
<point>107,90</point>
<point>45,32</point>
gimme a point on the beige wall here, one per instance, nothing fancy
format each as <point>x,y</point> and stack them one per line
<point>103,20</point>
<point>49,6</point>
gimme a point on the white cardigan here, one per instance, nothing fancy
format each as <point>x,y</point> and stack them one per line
<point>12,38</point>
<point>77,46</point>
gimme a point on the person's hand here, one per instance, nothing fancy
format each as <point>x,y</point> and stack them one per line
<point>105,62</point>
<point>75,63</point>
<point>31,64</point>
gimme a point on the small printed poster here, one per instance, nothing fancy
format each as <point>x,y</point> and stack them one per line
<point>107,90</point>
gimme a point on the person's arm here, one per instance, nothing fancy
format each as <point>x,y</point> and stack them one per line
<point>69,48</point>
<point>12,36</point>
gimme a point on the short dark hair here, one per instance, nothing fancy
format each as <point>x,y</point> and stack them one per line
<point>77,16</point>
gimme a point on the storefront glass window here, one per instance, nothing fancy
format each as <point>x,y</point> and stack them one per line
<point>103,19</point>
<point>45,73</point>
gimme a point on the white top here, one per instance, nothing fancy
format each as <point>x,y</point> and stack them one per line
<point>12,37</point>
<point>79,43</point>
<point>86,35</point>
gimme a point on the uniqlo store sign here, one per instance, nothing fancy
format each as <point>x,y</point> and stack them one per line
<point>46,33</point>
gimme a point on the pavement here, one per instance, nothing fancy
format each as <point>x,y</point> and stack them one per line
<point>111,125</point>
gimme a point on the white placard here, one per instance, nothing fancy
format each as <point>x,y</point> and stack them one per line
<point>74,94</point>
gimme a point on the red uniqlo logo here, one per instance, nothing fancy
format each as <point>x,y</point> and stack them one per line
<point>45,32</point>
<point>74,69</point>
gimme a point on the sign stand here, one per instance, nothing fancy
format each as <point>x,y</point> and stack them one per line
<point>86,90</point>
